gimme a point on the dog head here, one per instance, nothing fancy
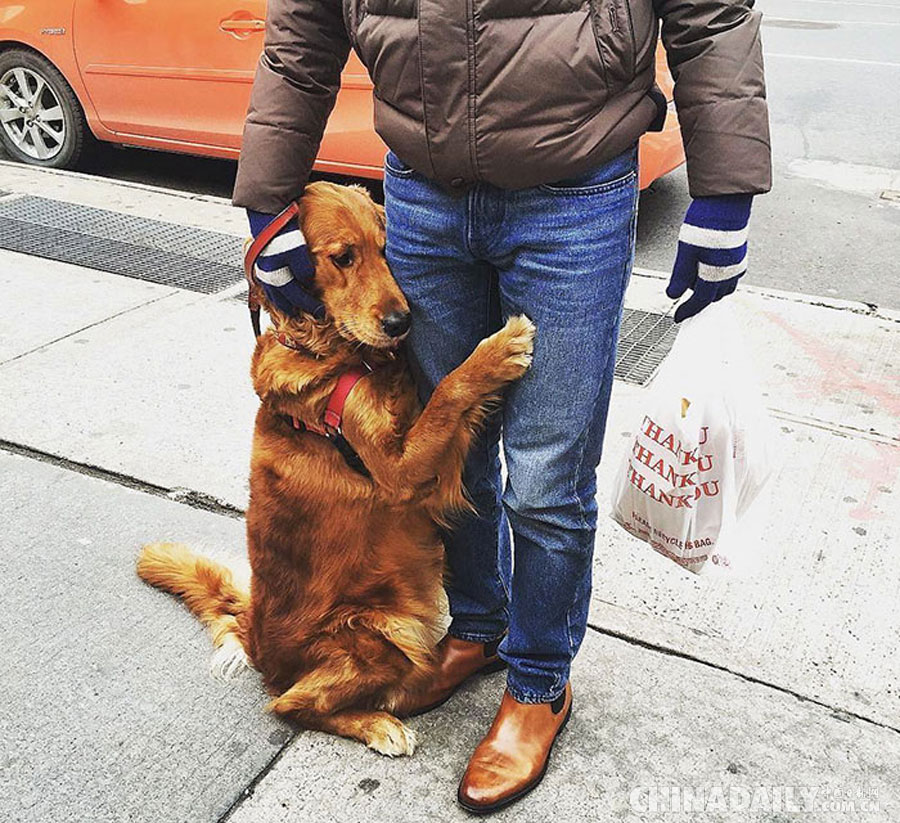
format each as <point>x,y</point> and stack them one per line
<point>345,235</point>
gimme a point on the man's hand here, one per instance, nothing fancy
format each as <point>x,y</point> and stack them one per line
<point>712,251</point>
<point>284,268</point>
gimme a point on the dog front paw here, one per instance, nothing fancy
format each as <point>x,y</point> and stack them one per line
<point>507,354</point>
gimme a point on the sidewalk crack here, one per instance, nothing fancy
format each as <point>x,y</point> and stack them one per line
<point>89,326</point>
<point>836,711</point>
<point>247,792</point>
<point>842,429</point>
<point>187,497</point>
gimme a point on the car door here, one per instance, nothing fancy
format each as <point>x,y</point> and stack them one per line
<point>176,70</point>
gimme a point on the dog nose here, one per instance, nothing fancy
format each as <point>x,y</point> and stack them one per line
<point>396,323</point>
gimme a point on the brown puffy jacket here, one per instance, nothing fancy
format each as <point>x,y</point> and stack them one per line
<point>511,92</point>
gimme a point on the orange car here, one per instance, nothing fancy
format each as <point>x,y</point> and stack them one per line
<point>176,76</point>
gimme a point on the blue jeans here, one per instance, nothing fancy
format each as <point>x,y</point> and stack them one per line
<point>562,255</point>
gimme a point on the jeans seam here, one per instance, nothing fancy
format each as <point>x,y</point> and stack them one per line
<point>635,208</point>
<point>528,696</point>
<point>476,637</point>
<point>487,328</point>
<point>470,220</point>
<point>483,444</point>
<point>581,509</point>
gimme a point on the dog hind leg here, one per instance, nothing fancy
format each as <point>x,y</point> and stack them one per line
<point>318,700</point>
<point>380,731</point>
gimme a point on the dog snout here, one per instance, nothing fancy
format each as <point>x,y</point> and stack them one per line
<point>396,323</point>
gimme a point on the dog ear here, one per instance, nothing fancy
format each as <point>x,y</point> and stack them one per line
<point>382,217</point>
<point>257,294</point>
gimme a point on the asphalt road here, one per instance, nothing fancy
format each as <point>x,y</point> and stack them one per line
<point>828,227</point>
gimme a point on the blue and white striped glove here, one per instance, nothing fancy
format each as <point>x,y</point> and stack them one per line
<point>284,268</point>
<point>712,251</point>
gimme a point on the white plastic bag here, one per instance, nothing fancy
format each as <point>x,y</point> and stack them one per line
<point>701,453</point>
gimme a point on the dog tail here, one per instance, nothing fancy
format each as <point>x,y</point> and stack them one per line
<point>209,591</point>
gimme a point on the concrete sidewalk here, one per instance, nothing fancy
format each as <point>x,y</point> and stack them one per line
<point>119,394</point>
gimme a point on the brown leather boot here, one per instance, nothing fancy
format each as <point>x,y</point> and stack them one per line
<point>512,758</point>
<point>458,660</point>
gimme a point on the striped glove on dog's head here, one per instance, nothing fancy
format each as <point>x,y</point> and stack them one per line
<point>712,251</point>
<point>284,268</point>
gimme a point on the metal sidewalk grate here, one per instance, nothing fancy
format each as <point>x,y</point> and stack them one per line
<point>164,253</point>
<point>645,339</point>
<point>206,261</point>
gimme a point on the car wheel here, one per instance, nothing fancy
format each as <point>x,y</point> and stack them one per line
<point>41,120</point>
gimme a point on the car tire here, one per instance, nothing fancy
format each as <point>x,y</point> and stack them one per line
<point>41,121</point>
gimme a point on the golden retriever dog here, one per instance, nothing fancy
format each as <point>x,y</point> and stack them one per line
<point>343,611</point>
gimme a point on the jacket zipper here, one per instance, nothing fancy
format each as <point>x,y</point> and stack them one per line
<point>473,78</point>
<point>633,36</point>
<point>615,28</point>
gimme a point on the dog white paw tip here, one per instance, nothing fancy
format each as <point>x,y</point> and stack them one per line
<point>229,661</point>
<point>522,324</point>
<point>392,738</point>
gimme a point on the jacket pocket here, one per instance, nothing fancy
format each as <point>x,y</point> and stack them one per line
<point>614,33</point>
<point>645,30</point>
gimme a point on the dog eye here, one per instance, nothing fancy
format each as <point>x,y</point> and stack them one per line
<point>344,259</point>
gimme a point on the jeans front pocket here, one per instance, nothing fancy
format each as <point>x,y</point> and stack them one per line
<point>612,175</point>
<point>394,166</point>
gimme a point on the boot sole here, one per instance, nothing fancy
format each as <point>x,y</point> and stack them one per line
<point>508,801</point>
<point>497,666</point>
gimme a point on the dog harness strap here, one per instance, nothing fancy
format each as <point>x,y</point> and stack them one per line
<point>253,251</point>
<point>334,416</point>
<point>334,412</point>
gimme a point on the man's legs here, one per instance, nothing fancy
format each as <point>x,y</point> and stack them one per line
<point>454,304</point>
<point>570,252</point>
<point>564,255</point>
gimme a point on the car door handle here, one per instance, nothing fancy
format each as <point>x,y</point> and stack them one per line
<point>242,27</point>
